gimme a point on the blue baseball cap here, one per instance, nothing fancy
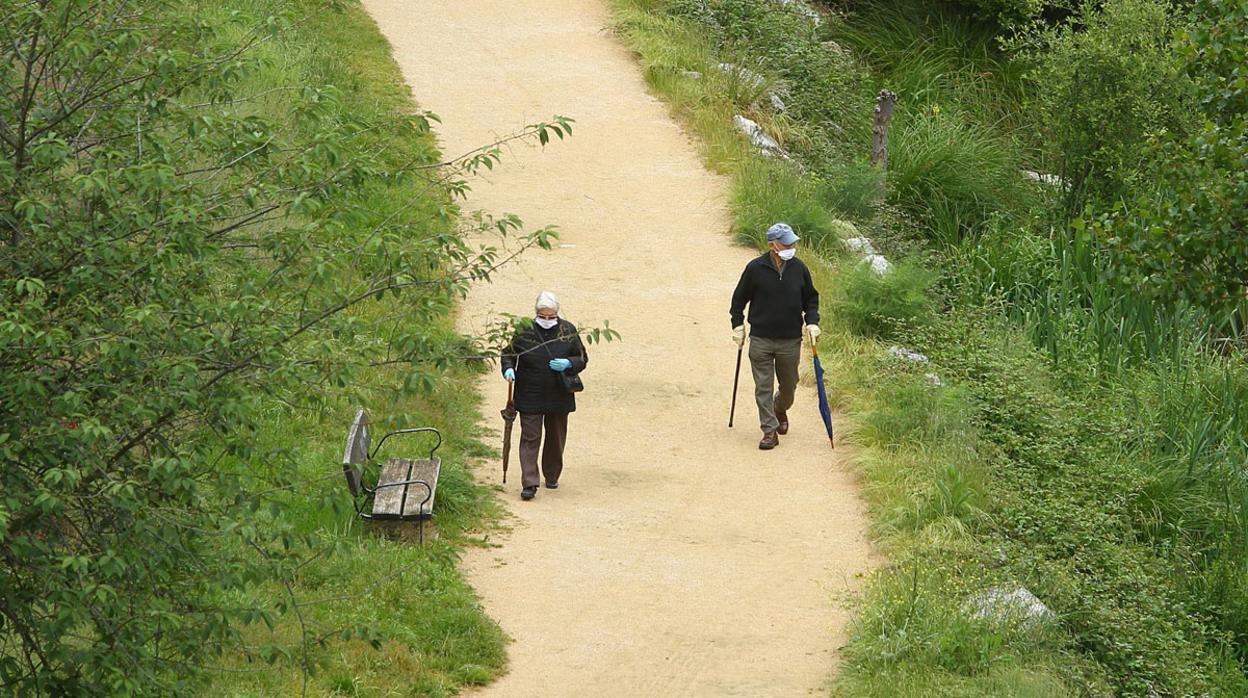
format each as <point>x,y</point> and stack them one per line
<point>782,233</point>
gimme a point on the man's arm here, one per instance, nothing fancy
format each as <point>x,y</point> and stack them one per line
<point>810,297</point>
<point>740,297</point>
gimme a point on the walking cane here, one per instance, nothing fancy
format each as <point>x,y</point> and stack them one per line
<point>736,380</point>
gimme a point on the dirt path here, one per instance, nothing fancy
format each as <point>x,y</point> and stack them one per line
<point>676,559</point>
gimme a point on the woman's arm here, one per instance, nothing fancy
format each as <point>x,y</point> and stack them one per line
<point>510,356</point>
<point>578,356</point>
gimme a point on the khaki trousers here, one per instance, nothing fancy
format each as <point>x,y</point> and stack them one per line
<point>531,427</point>
<point>772,359</point>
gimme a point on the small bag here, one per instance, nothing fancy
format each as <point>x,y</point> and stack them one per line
<point>571,382</point>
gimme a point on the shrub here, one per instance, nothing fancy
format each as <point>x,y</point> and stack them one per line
<point>1104,81</point>
<point>882,306</point>
<point>1185,237</point>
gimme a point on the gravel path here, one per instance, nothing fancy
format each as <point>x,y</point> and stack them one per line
<point>676,559</point>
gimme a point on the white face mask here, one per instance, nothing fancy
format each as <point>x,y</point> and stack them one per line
<point>546,324</point>
<point>786,255</point>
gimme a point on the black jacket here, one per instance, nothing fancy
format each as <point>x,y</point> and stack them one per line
<point>538,389</point>
<point>777,298</point>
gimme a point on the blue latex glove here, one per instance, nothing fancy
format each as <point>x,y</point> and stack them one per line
<point>509,374</point>
<point>560,365</point>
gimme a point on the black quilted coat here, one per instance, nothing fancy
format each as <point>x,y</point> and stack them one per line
<point>538,389</point>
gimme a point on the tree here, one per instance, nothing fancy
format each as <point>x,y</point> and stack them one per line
<point>1104,80</point>
<point>172,259</point>
<point>1185,238</point>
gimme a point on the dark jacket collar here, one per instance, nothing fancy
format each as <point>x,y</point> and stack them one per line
<point>771,263</point>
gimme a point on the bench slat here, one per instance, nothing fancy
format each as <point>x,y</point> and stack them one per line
<point>390,502</point>
<point>427,470</point>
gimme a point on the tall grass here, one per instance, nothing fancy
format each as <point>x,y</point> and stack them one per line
<point>883,306</point>
<point>954,157</point>
<point>1061,287</point>
<point>767,191</point>
<point>935,54</point>
<point>953,174</point>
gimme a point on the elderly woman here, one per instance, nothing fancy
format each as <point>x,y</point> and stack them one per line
<point>541,359</point>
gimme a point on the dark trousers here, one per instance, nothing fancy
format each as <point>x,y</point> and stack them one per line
<point>556,427</point>
<point>772,359</point>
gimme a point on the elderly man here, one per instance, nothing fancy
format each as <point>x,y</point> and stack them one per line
<point>782,298</point>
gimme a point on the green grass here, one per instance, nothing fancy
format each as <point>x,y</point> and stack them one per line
<point>954,142</point>
<point>387,617</point>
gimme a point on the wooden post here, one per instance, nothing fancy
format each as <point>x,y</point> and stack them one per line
<point>884,103</point>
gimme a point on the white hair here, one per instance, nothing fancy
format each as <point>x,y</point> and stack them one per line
<point>546,299</point>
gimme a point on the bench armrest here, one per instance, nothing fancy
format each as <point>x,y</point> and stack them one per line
<point>413,430</point>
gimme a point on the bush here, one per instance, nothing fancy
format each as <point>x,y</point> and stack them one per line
<point>1103,82</point>
<point>883,306</point>
<point>1186,235</point>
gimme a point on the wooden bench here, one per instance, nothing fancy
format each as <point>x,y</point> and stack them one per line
<point>405,487</point>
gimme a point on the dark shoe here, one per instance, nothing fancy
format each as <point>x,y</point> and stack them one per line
<point>770,441</point>
<point>552,485</point>
<point>784,423</point>
<point>528,493</point>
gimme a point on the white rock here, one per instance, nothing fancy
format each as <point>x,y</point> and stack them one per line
<point>691,74</point>
<point>843,229</point>
<point>879,264</point>
<point>804,9</point>
<point>934,380</point>
<point>759,137</point>
<point>1049,179</point>
<point>777,103</point>
<point>861,245</point>
<point>904,354</point>
<point>1002,603</point>
<point>834,47</point>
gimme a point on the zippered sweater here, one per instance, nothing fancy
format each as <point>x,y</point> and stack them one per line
<point>782,300</point>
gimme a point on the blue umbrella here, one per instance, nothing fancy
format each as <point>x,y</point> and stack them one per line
<point>824,410</point>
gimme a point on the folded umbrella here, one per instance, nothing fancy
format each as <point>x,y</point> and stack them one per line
<point>824,410</point>
<point>509,419</point>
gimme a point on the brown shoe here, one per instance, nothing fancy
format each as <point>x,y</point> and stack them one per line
<point>784,423</point>
<point>770,441</point>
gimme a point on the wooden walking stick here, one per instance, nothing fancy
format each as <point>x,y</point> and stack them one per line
<point>735,381</point>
